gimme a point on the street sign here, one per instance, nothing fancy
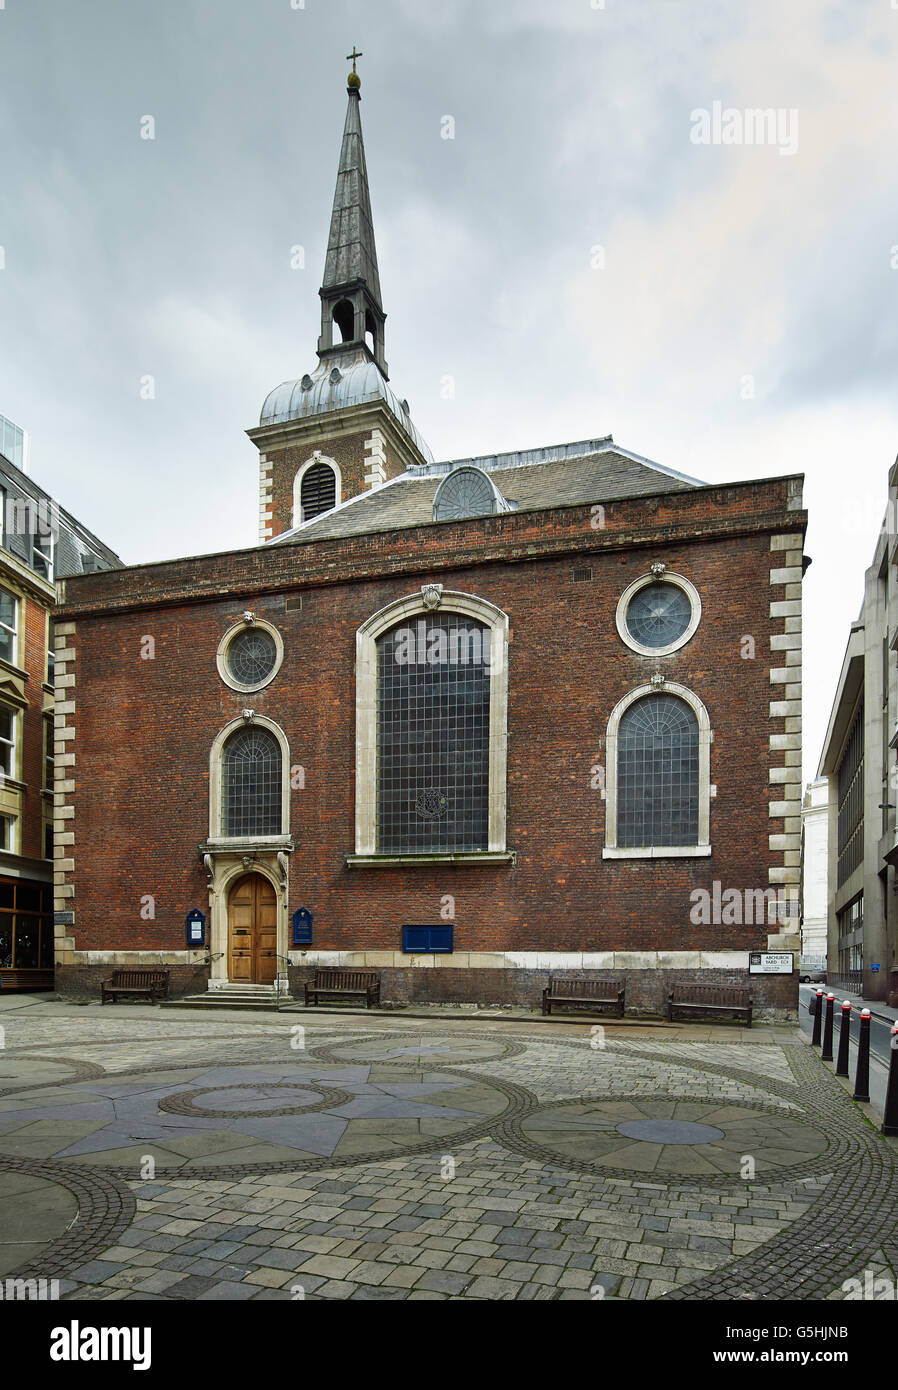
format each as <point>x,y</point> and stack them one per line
<point>771,963</point>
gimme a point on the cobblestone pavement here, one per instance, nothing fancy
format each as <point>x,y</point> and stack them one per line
<point>158,1155</point>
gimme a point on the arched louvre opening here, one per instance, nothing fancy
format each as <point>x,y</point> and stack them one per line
<point>318,491</point>
<point>251,784</point>
<point>433,730</point>
<point>657,773</point>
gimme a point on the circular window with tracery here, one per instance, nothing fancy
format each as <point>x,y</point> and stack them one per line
<point>656,616</point>
<point>250,656</point>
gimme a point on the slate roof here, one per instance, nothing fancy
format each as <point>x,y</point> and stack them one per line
<point>562,475</point>
<point>77,550</point>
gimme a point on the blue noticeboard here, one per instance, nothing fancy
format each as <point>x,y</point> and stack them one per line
<point>196,928</point>
<point>427,940</point>
<point>302,927</point>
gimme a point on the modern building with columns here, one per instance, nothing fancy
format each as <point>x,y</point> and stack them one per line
<point>466,723</point>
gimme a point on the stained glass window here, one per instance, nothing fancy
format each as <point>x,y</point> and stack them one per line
<point>658,615</point>
<point>252,656</point>
<point>657,773</point>
<point>251,783</point>
<point>433,723</point>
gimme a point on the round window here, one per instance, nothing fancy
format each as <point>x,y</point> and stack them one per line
<point>658,615</point>
<point>252,656</point>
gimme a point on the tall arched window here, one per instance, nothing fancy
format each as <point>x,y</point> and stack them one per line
<point>431,730</point>
<point>433,736</point>
<point>251,784</point>
<point>658,776</point>
<point>657,773</point>
<point>318,491</point>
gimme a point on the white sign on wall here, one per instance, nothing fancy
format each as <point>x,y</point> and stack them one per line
<point>771,963</point>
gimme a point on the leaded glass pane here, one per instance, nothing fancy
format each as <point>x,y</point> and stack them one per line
<point>433,723</point>
<point>252,656</point>
<point>658,615</point>
<point>657,774</point>
<point>252,784</point>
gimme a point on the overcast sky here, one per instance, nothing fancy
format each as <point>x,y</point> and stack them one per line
<point>740,319</point>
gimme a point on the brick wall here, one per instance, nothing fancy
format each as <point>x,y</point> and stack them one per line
<point>144,727</point>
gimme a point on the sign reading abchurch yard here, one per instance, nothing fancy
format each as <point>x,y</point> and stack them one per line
<point>771,963</point>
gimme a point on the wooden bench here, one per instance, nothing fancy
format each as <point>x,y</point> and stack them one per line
<point>138,982</point>
<point>598,994</point>
<point>344,984</point>
<point>709,1000</point>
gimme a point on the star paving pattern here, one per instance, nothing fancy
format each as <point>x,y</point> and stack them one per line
<point>147,1156</point>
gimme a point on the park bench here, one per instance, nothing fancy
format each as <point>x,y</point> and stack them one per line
<point>138,982</point>
<point>597,994</point>
<point>709,1000</point>
<point>344,984</point>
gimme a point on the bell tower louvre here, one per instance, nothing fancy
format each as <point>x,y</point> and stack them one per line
<point>340,430</point>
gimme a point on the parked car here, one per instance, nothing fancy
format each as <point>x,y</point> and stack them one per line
<point>812,970</point>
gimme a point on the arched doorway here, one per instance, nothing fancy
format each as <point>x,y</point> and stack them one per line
<point>252,931</point>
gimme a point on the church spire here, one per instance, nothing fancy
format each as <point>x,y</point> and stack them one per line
<point>350,290</point>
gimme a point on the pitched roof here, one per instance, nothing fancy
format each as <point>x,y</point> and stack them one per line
<point>563,475</point>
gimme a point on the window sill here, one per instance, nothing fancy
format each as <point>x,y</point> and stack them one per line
<point>658,852</point>
<point>387,861</point>
<point>235,845</point>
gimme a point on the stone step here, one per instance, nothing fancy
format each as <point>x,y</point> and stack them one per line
<point>224,999</point>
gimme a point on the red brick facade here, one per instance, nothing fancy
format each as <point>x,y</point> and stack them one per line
<point>144,729</point>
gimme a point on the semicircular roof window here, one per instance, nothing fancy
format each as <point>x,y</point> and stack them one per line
<point>318,490</point>
<point>466,492</point>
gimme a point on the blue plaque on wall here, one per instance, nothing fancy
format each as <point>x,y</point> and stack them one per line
<point>196,928</point>
<point>302,927</point>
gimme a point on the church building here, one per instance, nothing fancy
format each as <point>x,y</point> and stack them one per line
<point>466,723</point>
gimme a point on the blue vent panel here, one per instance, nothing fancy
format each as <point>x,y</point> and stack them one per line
<point>427,940</point>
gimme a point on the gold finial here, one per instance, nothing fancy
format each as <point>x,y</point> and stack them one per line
<point>353,80</point>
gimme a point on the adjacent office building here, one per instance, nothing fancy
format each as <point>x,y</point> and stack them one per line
<point>859,764</point>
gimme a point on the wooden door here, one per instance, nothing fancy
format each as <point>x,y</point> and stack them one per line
<point>252,931</point>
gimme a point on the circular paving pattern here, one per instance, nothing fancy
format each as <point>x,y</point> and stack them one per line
<point>412,1049</point>
<point>253,1100</point>
<point>400,1096</point>
<point>669,1131</point>
<point>669,1137</point>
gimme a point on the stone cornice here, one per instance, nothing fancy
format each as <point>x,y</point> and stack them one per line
<point>513,537</point>
<point>337,424</point>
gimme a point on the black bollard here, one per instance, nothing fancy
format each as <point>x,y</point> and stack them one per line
<point>844,1033</point>
<point>890,1118</point>
<point>862,1075</point>
<point>818,1019</point>
<point>827,1054</point>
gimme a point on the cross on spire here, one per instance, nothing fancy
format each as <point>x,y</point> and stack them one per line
<point>353,55</point>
